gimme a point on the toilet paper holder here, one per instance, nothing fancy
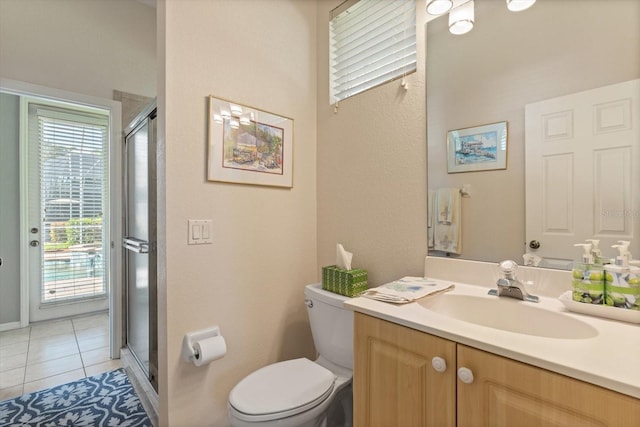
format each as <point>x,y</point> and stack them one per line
<point>189,353</point>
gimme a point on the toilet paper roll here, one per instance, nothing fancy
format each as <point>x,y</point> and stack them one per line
<point>209,349</point>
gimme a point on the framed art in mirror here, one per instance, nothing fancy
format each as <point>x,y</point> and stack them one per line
<point>478,148</point>
<point>248,145</point>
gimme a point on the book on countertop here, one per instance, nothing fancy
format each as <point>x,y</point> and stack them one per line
<point>406,290</point>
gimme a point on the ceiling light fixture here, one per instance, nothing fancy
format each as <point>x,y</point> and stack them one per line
<point>519,5</point>
<point>438,7</point>
<point>461,18</point>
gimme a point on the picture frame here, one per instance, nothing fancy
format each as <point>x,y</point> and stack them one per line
<point>247,145</point>
<point>478,148</point>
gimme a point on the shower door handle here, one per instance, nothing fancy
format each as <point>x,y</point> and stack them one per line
<point>136,245</point>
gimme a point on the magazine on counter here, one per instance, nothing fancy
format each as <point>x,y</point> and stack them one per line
<point>405,290</point>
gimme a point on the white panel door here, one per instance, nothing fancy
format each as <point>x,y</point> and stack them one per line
<point>582,172</point>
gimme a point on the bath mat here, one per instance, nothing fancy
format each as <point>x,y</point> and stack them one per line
<point>106,400</point>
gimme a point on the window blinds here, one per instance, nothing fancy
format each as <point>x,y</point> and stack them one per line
<point>73,159</point>
<point>371,43</point>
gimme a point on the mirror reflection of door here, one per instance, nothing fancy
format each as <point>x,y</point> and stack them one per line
<point>139,244</point>
<point>582,171</point>
<point>68,152</point>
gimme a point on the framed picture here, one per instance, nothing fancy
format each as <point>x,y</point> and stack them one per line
<point>248,145</point>
<point>479,148</point>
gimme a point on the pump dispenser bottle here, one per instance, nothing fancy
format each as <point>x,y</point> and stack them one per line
<point>622,279</point>
<point>588,278</point>
<point>596,253</point>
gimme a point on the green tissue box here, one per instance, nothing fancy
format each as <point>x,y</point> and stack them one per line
<point>349,283</point>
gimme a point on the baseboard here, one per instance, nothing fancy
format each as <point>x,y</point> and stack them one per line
<point>9,326</point>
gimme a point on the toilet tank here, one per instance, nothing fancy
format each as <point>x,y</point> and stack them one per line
<point>331,325</point>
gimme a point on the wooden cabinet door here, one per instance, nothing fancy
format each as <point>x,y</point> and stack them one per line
<point>394,383</point>
<point>509,393</point>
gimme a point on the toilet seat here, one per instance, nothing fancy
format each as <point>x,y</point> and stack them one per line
<point>281,390</point>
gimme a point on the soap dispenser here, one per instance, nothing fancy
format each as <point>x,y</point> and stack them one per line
<point>596,252</point>
<point>622,280</point>
<point>588,278</point>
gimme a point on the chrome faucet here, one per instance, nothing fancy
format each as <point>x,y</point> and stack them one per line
<point>509,285</point>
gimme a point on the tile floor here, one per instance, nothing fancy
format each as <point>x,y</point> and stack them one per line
<point>50,353</point>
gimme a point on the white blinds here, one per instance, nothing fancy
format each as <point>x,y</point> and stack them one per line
<point>370,43</point>
<point>73,153</point>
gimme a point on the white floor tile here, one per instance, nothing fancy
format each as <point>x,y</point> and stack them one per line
<point>12,377</point>
<point>93,343</point>
<point>84,334</point>
<point>93,357</point>
<point>49,329</point>
<point>12,349</point>
<point>11,392</point>
<point>14,336</point>
<point>103,367</point>
<point>39,353</point>
<point>93,321</point>
<point>53,381</point>
<point>47,354</point>
<point>12,362</point>
<point>53,367</point>
<point>41,344</point>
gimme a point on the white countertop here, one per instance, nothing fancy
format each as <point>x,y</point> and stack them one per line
<point>610,359</point>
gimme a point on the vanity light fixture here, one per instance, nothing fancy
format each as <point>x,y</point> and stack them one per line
<point>245,121</point>
<point>519,5</point>
<point>438,7</point>
<point>225,114</point>
<point>462,14</point>
<point>218,119</point>
<point>234,124</point>
<point>461,18</point>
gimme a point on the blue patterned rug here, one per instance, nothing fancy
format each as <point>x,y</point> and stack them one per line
<point>103,400</point>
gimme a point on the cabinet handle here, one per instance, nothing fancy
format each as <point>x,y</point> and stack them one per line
<point>439,364</point>
<point>465,375</point>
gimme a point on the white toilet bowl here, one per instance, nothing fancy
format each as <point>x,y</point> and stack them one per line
<point>300,392</point>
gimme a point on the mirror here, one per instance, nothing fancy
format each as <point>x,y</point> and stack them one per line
<point>490,74</point>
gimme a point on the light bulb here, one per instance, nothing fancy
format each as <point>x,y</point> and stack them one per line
<point>519,5</point>
<point>438,7</point>
<point>461,18</point>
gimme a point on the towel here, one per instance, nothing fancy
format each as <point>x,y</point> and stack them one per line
<point>448,227</point>
<point>431,213</point>
<point>445,205</point>
<point>405,290</point>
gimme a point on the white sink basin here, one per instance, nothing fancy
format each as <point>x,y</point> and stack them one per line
<point>508,314</point>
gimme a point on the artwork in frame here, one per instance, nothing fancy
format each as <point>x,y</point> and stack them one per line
<point>248,145</point>
<point>478,148</point>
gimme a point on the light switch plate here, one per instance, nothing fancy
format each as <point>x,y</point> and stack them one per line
<point>199,232</point>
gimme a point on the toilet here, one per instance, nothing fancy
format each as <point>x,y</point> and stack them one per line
<point>301,392</point>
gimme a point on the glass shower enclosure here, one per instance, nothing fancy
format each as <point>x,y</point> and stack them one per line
<point>140,242</point>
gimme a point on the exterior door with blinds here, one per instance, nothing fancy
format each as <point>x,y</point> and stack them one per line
<point>68,210</point>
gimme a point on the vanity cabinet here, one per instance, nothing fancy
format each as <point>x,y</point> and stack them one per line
<point>395,384</point>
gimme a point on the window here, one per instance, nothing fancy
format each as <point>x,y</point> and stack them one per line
<point>370,43</point>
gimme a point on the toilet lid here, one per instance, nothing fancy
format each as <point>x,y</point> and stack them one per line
<point>292,386</point>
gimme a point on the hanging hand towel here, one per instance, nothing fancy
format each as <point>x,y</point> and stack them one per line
<point>431,213</point>
<point>445,202</point>
<point>448,228</point>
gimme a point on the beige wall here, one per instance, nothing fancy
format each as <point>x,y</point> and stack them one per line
<point>88,47</point>
<point>250,281</point>
<point>488,75</point>
<point>372,169</point>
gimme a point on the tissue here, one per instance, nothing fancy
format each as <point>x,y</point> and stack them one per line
<point>343,258</point>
